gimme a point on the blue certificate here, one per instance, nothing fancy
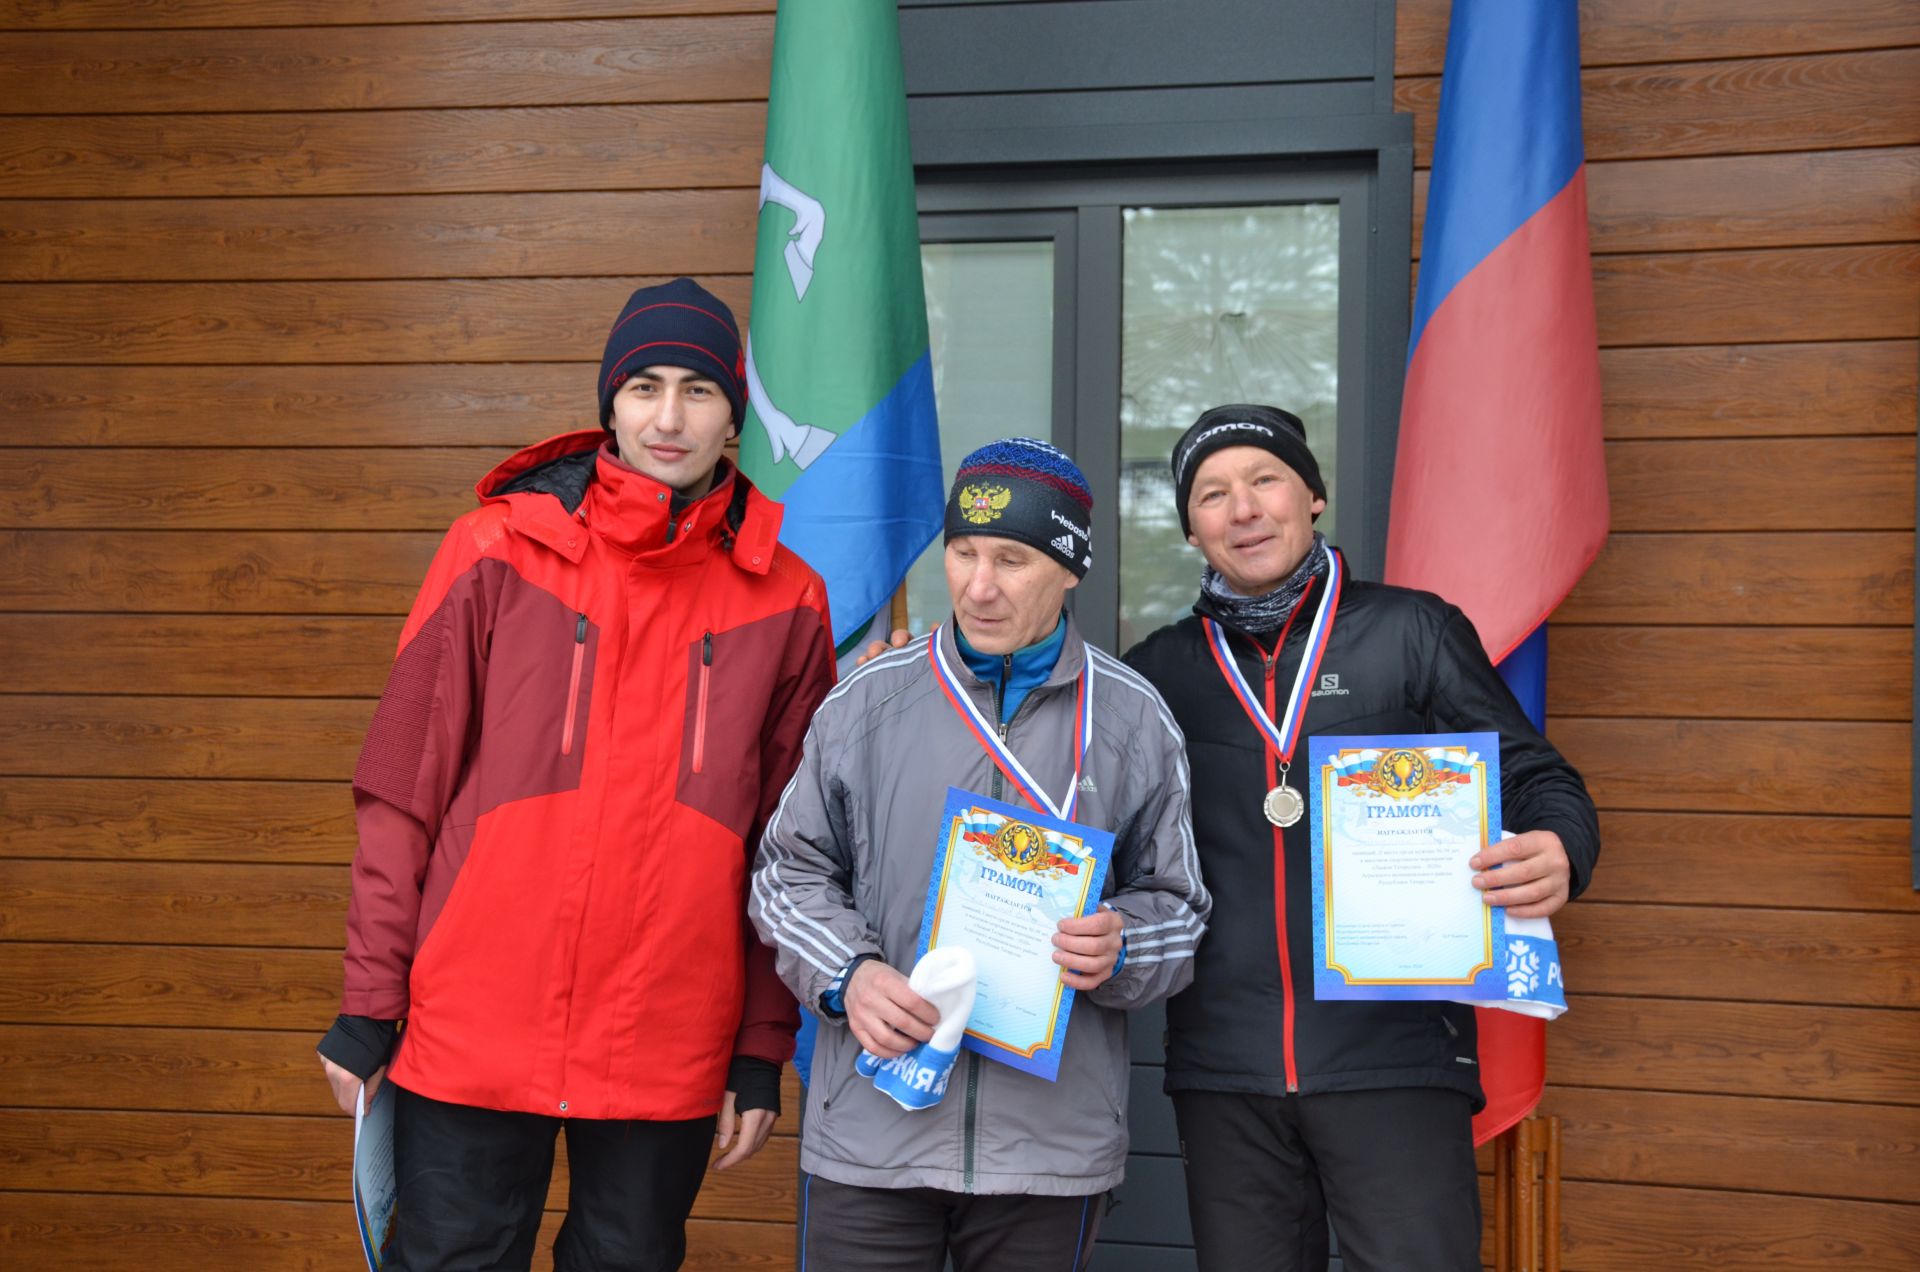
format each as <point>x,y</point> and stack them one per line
<point>376,1194</point>
<point>1003,878</point>
<point>1395,820</point>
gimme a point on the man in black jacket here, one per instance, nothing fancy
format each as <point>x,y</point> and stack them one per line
<point>1290,1109</point>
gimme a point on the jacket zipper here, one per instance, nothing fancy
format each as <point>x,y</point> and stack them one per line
<point>1280,896</point>
<point>573,684</point>
<point>700,712</point>
<point>973,1058</point>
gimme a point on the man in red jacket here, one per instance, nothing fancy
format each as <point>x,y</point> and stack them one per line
<point>598,698</point>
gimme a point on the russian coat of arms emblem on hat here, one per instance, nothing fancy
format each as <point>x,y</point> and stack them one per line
<point>981,504</point>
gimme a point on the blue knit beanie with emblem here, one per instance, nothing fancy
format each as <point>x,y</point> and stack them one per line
<point>677,324</point>
<point>1027,490</point>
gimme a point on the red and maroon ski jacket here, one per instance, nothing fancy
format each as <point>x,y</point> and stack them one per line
<point>595,706</point>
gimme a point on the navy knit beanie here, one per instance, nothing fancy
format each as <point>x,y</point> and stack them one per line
<point>1026,490</point>
<point>677,324</point>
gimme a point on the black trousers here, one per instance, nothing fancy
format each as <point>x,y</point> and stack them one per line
<point>1394,1169</point>
<point>846,1228</point>
<point>473,1182</point>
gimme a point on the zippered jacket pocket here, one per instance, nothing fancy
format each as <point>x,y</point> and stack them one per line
<point>573,684</point>
<point>700,708</point>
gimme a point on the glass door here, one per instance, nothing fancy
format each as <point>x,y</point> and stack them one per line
<point>993,284</point>
<point>1174,289</point>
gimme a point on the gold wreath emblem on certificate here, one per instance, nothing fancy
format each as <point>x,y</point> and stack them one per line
<point>1402,773</point>
<point>1021,846</point>
<point>981,504</point>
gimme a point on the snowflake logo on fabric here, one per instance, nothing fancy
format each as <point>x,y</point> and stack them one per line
<point>1523,968</point>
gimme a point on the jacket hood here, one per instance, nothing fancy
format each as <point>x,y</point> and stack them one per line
<point>545,488</point>
<point>560,466</point>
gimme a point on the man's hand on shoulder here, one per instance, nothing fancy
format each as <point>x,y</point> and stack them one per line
<point>346,1087</point>
<point>884,1013</point>
<point>1534,878</point>
<point>899,640</point>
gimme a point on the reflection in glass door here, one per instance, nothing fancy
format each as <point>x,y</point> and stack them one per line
<point>1219,304</point>
<point>990,325</point>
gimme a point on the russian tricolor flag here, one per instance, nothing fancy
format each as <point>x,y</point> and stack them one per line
<point>1500,488</point>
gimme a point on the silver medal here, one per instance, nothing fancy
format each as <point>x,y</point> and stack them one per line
<point>1283,805</point>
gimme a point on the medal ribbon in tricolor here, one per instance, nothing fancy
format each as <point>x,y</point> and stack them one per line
<point>1284,737</point>
<point>1003,757</point>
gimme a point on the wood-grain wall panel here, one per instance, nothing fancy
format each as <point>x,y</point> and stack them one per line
<point>1814,1149</point>
<point>174,903</point>
<point>106,1233</point>
<point>68,15</point>
<point>1740,766</point>
<point>1810,673</point>
<point>388,236</point>
<point>635,147</point>
<point>1779,1050</point>
<point>215,407</point>
<point>1730,297</point>
<point>712,58</point>
<point>1866,483</point>
<point>1749,955</point>
<point>1839,293</point>
<point>283,488</point>
<point>279,1158</point>
<point>79,735</point>
<point>1616,31</point>
<point>1767,200</point>
<point>163,1070</point>
<point>184,1070</point>
<point>234,572</point>
<point>197,654</point>
<point>76,818</point>
<point>488,320</point>
<point>1783,200</point>
<point>193,987</point>
<point>1766,579</point>
<point>1750,390</point>
<point>236,488</point>
<point>1633,1228</point>
<point>1781,859</point>
<point>1827,101</point>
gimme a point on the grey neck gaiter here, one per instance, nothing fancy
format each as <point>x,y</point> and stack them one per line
<point>1264,614</point>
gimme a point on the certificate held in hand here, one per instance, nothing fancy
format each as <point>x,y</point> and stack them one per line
<point>1003,878</point>
<point>1395,821</point>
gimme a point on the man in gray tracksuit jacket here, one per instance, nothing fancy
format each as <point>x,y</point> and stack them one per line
<point>1008,1170</point>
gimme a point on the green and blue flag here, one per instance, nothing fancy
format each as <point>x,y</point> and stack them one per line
<point>840,419</point>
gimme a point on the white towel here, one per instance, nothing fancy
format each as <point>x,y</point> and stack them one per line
<point>944,977</point>
<point>1535,986</point>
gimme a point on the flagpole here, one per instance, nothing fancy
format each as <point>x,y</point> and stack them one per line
<point>897,611</point>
